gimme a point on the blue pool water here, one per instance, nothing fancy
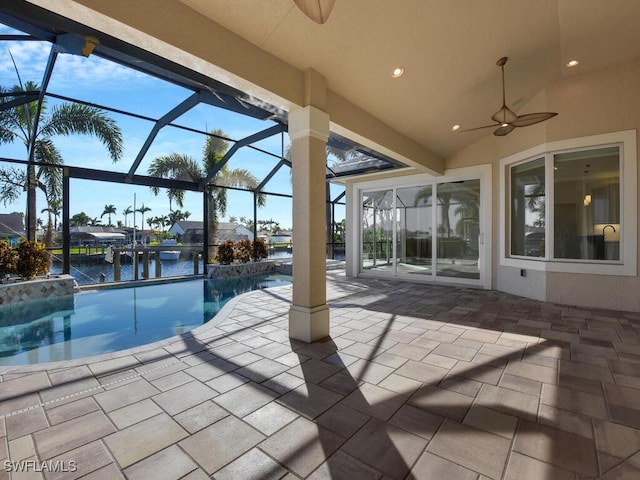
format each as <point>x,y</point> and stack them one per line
<point>101,321</point>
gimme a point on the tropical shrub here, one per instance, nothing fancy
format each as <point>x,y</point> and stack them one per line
<point>8,259</point>
<point>243,250</point>
<point>225,253</point>
<point>33,259</point>
<point>259,250</point>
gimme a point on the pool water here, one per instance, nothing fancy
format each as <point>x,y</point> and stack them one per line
<point>101,321</point>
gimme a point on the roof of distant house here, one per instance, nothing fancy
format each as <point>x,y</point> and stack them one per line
<point>95,229</point>
<point>189,224</point>
<point>197,225</point>
<point>11,223</point>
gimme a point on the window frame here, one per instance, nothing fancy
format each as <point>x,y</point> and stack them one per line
<point>627,264</point>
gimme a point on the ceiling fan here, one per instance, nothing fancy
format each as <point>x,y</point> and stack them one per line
<point>505,119</point>
<point>316,10</point>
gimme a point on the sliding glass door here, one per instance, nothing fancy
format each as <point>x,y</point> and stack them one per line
<point>413,230</point>
<point>458,219</point>
<point>423,231</point>
<point>377,230</point>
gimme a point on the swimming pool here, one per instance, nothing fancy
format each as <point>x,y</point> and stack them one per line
<point>102,321</point>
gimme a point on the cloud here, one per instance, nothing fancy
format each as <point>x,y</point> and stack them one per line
<point>70,71</point>
<point>30,59</point>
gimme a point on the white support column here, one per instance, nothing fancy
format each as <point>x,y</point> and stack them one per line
<point>309,313</point>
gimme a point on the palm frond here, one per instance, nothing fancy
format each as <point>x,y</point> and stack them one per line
<point>74,118</point>
<point>237,177</point>
<point>12,183</point>
<point>214,148</point>
<point>46,152</point>
<point>220,201</point>
<point>176,166</point>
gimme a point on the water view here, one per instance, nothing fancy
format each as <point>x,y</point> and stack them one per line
<point>88,274</point>
<point>101,321</point>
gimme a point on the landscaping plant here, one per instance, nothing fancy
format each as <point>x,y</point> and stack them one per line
<point>33,259</point>
<point>225,253</point>
<point>259,250</point>
<point>8,259</point>
<point>243,250</point>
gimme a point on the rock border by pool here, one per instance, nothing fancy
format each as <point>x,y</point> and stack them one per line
<point>215,270</point>
<point>36,289</point>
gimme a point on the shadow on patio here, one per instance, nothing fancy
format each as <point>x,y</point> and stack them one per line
<point>416,381</point>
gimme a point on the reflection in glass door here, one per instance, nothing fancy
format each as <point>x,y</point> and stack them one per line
<point>423,231</point>
<point>377,230</point>
<point>414,226</point>
<point>458,228</point>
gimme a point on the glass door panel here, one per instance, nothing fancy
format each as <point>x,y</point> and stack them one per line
<point>377,231</point>
<point>414,225</point>
<point>458,229</point>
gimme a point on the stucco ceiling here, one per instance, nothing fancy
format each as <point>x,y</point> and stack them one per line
<point>448,48</point>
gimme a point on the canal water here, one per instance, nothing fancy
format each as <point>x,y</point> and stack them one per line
<point>88,274</point>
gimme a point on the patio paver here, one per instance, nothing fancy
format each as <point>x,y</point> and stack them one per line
<point>419,381</point>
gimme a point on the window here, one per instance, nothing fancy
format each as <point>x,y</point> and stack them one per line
<point>528,209</point>
<point>586,204</point>
<point>563,205</point>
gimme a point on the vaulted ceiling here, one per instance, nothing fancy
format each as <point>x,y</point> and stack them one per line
<point>448,49</point>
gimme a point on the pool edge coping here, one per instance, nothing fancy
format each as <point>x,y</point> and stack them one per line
<point>220,318</point>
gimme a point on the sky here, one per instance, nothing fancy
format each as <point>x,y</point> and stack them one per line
<point>105,83</point>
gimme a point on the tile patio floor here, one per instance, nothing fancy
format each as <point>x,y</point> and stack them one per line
<point>417,381</point>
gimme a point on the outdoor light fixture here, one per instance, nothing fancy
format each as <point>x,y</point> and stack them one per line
<point>572,63</point>
<point>397,72</point>
<point>455,127</point>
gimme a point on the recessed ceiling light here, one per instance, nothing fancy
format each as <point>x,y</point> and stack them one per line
<point>455,127</point>
<point>397,72</point>
<point>572,63</point>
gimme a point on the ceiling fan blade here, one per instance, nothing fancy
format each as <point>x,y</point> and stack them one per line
<point>532,118</point>
<point>316,10</point>
<point>478,128</point>
<point>505,118</point>
<point>502,131</point>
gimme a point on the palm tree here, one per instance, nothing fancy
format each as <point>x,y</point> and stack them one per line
<point>20,124</point>
<point>183,167</point>
<point>108,210</point>
<point>163,221</point>
<point>143,210</point>
<point>447,193</point>
<point>177,215</point>
<point>80,220</point>
<point>53,209</point>
<point>246,222</point>
<point>126,212</point>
